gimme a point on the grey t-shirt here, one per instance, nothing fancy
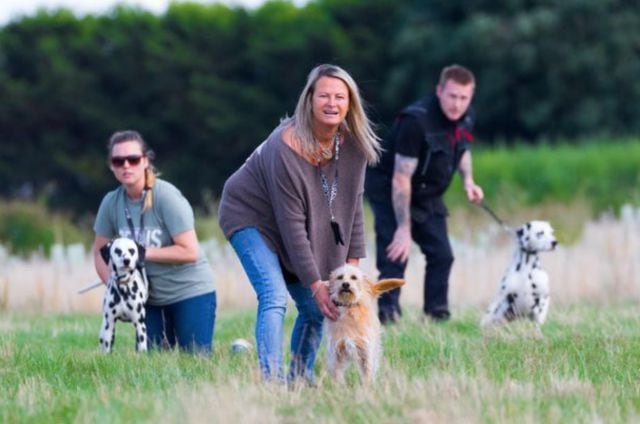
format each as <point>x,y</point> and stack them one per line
<point>280,193</point>
<point>170,215</point>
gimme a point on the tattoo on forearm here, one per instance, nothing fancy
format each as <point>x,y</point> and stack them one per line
<point>405,165</point>
<point>401,201</point>
<point>404,168</point>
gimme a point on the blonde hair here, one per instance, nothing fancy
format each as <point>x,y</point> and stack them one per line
<point>356,122</point>
<point>150,172</point>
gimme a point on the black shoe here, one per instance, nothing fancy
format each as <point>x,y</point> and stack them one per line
<point>439,316</point>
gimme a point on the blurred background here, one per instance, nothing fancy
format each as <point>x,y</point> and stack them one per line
<point>557,105</point>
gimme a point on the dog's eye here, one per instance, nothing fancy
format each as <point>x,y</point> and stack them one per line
<point>540,234</point>
<point>118,251</point>
<point>132,251</point>
<point>340,277</point>
<point>354,277</point>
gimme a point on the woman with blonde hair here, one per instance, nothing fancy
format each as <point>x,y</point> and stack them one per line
<point>181,309</point>
<point>293,213</point>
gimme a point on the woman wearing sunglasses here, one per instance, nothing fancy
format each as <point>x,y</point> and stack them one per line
<point>181,309</point>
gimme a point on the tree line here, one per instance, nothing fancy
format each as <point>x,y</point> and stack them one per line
<point>205,84</point>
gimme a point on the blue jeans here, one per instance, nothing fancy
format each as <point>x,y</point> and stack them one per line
<point>189,323</point>
<point>265,274</point>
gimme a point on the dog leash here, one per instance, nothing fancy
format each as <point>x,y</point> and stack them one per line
<point>90,287</point>
<point>496,218</point>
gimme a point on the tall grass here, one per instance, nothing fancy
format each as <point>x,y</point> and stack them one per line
<point>598,261</point>
<point>584,369</point>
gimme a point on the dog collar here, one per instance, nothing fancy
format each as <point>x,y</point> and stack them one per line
<point>528,252</point>
<point>120,278</point>
<point>124,278</point>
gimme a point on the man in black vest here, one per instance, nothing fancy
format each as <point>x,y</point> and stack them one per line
<point>429,140</point>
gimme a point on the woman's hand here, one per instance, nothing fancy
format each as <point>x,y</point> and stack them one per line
<point>321,295</point>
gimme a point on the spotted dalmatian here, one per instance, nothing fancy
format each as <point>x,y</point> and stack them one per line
<point>524,289</point>
<point>126,292</point>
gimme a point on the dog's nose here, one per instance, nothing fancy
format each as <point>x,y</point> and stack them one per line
<point>554,244</point>
<point>126,261</point>
<point>345,285</point>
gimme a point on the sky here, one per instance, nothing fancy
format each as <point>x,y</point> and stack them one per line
<point>10,9</point>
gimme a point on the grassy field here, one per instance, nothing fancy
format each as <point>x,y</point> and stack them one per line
<point>585,368</point>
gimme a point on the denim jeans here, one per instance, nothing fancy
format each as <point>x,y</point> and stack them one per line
<point>265,274</point>
<point>189,323</point>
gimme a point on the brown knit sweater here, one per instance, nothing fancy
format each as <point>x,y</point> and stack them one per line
<point>280,193</point>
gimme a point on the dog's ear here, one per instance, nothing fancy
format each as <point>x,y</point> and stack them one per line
<point>104,252</point>
<point>386,285</point>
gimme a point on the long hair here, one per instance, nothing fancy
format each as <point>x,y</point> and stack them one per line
<point>150,173</point>
<point>357,123</point>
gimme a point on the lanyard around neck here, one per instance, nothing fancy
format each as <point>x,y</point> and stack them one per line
<point>127,214</point>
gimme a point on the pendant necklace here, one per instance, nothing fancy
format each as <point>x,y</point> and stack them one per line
<point>331,193</point>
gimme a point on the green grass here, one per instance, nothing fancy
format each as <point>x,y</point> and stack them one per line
<point>602,173</point>
<point>586,368</point>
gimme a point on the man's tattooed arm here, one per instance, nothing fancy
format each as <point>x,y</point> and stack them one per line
<point>404,168</point>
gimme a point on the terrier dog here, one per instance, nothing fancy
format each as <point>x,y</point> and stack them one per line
<point>355,335</point>
<point>524,289</point>
<point>126,293</point>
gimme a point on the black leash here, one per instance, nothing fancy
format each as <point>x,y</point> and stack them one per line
<point>496,218</point>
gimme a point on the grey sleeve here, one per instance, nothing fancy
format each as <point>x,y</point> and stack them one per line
<point>291,219</point>
<point>104,225</point>
<point>174,209</point>
<point>357,246</point>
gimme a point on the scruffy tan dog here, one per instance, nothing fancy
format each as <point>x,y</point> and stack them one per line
<point>355,335</point>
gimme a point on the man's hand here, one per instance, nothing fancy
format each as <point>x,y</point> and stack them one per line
<point>321,295</point>
<point>474,192</point>
<point>400,247</point>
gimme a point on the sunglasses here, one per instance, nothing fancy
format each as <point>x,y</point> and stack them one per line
<point>118,161</point>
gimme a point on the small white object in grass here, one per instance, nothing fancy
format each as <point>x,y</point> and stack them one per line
<point>240,345</point>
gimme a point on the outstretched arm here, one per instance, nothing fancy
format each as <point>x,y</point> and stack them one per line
<point>400,247</point>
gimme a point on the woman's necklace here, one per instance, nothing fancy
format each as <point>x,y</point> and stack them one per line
<point>331,192</point>
<point>326,153</point>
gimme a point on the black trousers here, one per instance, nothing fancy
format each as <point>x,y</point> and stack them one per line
<point>429,231</point>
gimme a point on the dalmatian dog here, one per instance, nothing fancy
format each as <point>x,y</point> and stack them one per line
<point>524,289</point>
<point>126,293</point>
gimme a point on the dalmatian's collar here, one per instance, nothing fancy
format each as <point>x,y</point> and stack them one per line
<point>122,278</point>
<point>528,251</point>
